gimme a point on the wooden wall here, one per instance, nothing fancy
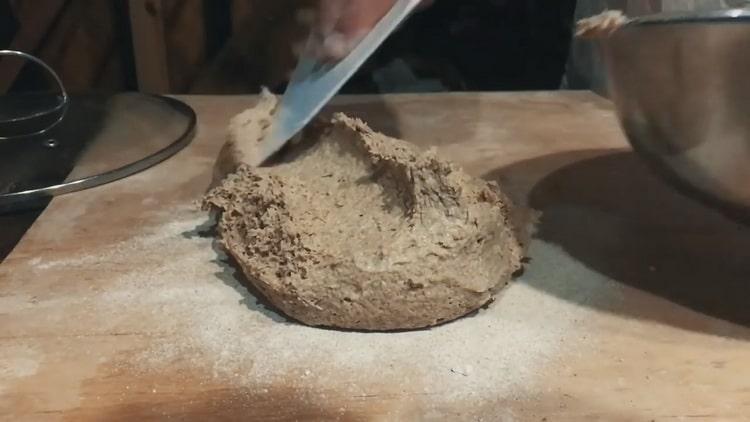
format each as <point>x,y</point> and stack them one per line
<point>170,42</point>
<point>90,43</point>
<point>79,39</point>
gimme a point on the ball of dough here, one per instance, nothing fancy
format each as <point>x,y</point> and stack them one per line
<point>362,231</point>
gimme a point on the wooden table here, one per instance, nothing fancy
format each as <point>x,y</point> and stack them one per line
<point>634,304</point>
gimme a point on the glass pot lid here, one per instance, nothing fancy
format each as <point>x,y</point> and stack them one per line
<point>51,144</point>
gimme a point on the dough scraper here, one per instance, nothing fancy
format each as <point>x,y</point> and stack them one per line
<point>314,83</point>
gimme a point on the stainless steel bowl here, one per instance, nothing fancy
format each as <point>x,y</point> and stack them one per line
<point>681,86</point>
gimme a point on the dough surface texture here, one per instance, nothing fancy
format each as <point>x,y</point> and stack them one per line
<point>361,231</point>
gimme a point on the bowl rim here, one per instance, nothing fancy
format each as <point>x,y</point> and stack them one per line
<point>723,15</point>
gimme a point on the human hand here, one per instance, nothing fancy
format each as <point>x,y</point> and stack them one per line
<point>341,24</point>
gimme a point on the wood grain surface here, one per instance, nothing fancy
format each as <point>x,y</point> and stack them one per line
<point>640,308</point>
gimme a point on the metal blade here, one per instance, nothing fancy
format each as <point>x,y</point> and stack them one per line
<point>314,84</point>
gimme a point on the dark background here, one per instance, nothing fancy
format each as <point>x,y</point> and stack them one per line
<point>236,46</point>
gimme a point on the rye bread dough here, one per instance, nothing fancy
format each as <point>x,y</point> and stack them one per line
<point>359,230</point>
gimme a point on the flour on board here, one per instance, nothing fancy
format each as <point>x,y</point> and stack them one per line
<point>202,317</point>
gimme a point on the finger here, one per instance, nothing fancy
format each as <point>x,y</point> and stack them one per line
<point>344,23</point>
<point>356,20</point>
<point>361,16</point>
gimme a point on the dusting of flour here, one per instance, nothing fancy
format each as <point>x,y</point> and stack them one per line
<point>206,318</point>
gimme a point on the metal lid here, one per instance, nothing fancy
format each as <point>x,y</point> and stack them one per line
<point>714,16</point>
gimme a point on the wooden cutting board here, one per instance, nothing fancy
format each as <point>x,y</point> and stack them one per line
<point>634,304</point>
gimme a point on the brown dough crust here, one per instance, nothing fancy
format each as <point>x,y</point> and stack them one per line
<point>244,134</point>
<point>362,231</point>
